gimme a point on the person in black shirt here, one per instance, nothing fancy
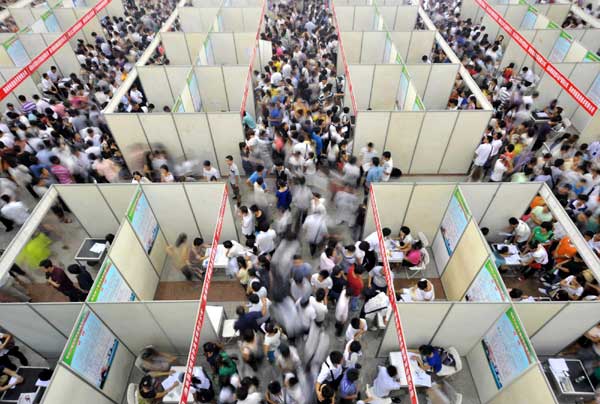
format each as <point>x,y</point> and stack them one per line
<point>247,321</point>
<point>150,389</point>
<point>84,279</point>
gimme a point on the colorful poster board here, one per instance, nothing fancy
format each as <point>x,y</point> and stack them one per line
<point>16,51</point>
<point>591,57</point>
<point>561,47</point>
<point>594,91</point>
<point>110,286</point>
<point>530,18</point>
<point>487,286</point>
<point>508,351</point>
<point>192,83</point>
<point>51,22</point>
<point>143,221</point>
<point>388,48</point>
<point>91,349</point>
<point>402,89</point>
<point>418,106</point>
<point>455,221</point>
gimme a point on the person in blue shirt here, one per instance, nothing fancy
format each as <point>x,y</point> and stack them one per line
<point>260,172</point>
<point>318,141</point>
<point>249,121</point>
<point>284,197</point>
<point>431,357</point>
<point>375,173</point>
<point>349,386</point>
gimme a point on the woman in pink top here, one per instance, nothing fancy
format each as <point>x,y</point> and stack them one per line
<point>413,256</point>
<point>62,174</point>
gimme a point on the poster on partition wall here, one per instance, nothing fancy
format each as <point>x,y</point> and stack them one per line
<point>91,349</point>
<point>455,221</point>
<point>507,349</point>
<point>143,221</point>
<point>110,286</point>
<point>487,285</point>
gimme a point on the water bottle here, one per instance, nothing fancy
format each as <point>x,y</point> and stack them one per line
<point>579,379</point>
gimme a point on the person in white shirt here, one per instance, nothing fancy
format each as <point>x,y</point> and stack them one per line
<point>331,372</point>
<point>321,280</point>
<point>209,172</point>
<point>14,210</point>
<point>388,166</point>
<point>247,219</point>
<point>352,353</point>
<point>386,381</point>
<point>366,156</point>
<point>501,166</point>
<point>520,230</point>
<point>356,329</point>
<point>423,291</point>
<point>233,249</point>
<point>328,259</point>
<point>265,240</point>
<point>319,305</point>
<point>306,312</point>
<point>138,178</point>
<point>535,259</point>
<point>482,154</point>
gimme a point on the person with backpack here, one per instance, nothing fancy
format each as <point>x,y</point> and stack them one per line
<point>329,376</point>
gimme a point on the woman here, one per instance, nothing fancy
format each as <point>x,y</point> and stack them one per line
<point>180,253</point>
<point>151,360</point>
<point>272,341</point>
<point>150,390</point>
<point>413,256</point>
<point>251,354</point>
<point>165,174</point>
<point>242,274</point>
<point>274,393</point>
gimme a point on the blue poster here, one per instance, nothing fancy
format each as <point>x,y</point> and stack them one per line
<point>51,22</point>
<point>91,349</point>
<point>529,19</point>
<point>487,286</point>
<point>110,286</point>
<point>143,221</point>
<point>402,89</point>
<point>560,49</point>
<point>455,221</point>
<point>16,51</point>
<point>195,92</point>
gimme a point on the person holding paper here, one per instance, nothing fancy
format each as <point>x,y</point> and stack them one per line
<point>151,390</point>
<point>12,378</point>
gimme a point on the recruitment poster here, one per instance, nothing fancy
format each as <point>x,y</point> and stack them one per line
<point>16,51</point>
<point>402,89</point>
<point>561,47</point>
<point>91,349</point>
<point>529,19</point>
<point>487,286</point>
<point>507,349</point>
<point>143,221</point>
<point>591,57</point>
<point>110,286</point>
<point>192,82</point>
<point>455,221</point>
<point>51,22</point>
<point>594,91</point>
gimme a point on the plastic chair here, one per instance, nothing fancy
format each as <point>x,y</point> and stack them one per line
<point>423,238</point>
<point>228,333</point>
<point>417,269</point>
<point>451,370</point>
<point>132,391</point>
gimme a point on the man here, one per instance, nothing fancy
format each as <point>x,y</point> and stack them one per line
<point>234,176</point>
<point>209,172</point>
<point>366,156</point>
<point>520,231</point>
<point>387,380</point>
<point>13,211</point>
<point>315,230</point>
<point>375,173</point>
<point>57,278</point>
<point>388,166</point>
<point>482,154</point>
<point>331,373</point>
<point>247,320</point>
<point>265,240</point>
<point>300,268</point>
<point>260,172</point>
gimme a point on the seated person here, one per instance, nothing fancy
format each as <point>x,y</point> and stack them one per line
<point>6,375</point>
<point>151,360</point>
<point>572,285</point>
<point>519,230</point>
<point>500,255</point>
<point>423,291</point>
<point>406,239</point>
<point>541,214</point>
<point>535,259</point>
<point>413,257</point>
<point>150,389</point>
<point>431,359</point>
<point>517,295</point>
<point>387,380</point>
<point>565,251</point>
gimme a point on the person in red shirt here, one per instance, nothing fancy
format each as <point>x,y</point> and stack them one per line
<point>355,285</point>
<point>60,281</point>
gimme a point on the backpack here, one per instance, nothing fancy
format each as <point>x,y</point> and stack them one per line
<point>396,173</point>
<point>447,358</point>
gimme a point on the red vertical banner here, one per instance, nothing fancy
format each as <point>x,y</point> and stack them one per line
<point>412,391</point>
<point>544,63</point>
<point>187,381</point>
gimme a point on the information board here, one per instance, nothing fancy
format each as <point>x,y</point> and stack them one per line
<point>51,22</point>
<point>594,91</point>
<point>455,221</point>
<point>210,56</point>
<point>507,349</point>
<point>143,221</point>
<point>16,51</point>
<point>110,286</point>
<point>591,57</point>
<point>487,286</point>
<point>529,19</point>
<point>561,47</point>
<point>402,89</point>
<point>91,349</point>
<point>388,48</point>
<point>192,83</point>
<point>418,105</point>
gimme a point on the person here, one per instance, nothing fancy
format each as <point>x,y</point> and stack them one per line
<point>349,387</point>
<point>355,285</point>
<point>247,320</point>
<point>165,174</point>
<point>275,393</point>
<point>482,155</point>
<point>234,176</point>
<point>58,279</point>
<point>386,381</point>
<point>432,358</point>
<point>330,374</point>
<point>284,197</point>
<point>272,341</point>
<point>84,279</point>
<point>287,358</point>
<point>180,253</point>
<point>315,230</point>
<point>356,329</point>
<point>150,390</point>
<point>352,353</point>
<point>13,212</point>
<point>12,378</point>
<point>388,166</point>
<point>377,279</point>
<point>151,360</point>
<point>413,257</point>
<point>202,384</point>
<point>249,348</point>
<point>520,231</point>
<point>209,172</point>
<point>423,291</point>
<point>9,348</point>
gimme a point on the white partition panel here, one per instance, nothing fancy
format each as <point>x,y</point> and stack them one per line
<point>118,376</point>
<point>565,327</point>
<point>479,316</point>
<point>392,201</point>
<point>478,197</point>
<point>385,87</point>
<point>362,82</point>
<point>402,136</point>
<point>227,132</point>
<point>427,206</point>
<point>172,209</point>
<point>28,87</point>
<point>480,367</point>
<point>421,321</point>
<point>420,44</point>
<point>177,78</point>
<point>439,85</point>
<point>90,209</point>
<point>118,197</point>
<point>224,48</point>
<point>195,41</point>
<point>466,136</point>
<point>177,319</point>
<point>66,384</point>
<point>93,25</point>
<point>590,38</point>
<point>515,14</point>
<point>235,83</point>
<point>194,134</point>
<point>245,43</point>
<point>370,127</point>
<point>34,44</point>
<point>583,76</point>
<point>419,77</point>
<point>352,47</point>
<point>547,85</point>
<point>212,88</point>
<point>402,40</point>
<point>129,256</point>
<point>511,199</point>
<point>64,57</point>
<point>156,86</point>
<point>206,201</point>
<point>433,139</point>
<point>251,17</point>
<point>130,137</point>
<point>515,54</point>
<point>373,47</point>
<point>406,18</point>
<point>158,255</point>
<point>176,48</point>
<point>60,315</point>
<point>534,315</point>
<point>232,19</point>
<point>133,324</point>
<point>22,15</point>
<point>345,18</point>
<point>27,325</point>
<point>363,18</point>
<point>532,384</point>
<point>161,132</point>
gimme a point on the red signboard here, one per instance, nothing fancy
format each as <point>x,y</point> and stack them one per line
<point>388,278</point>
<point>187,381</point>
<point>36,62</point>
<point>544,63</point>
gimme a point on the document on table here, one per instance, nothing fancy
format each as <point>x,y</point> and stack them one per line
<point>420,377</point>
<point>13,381</point>
<point>558,364</point>
<point>98,248</point>
<point>171,380</point>
<point>42,383</point>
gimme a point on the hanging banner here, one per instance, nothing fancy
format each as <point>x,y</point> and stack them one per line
<point>560,78</point>
<point>54,47</point>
